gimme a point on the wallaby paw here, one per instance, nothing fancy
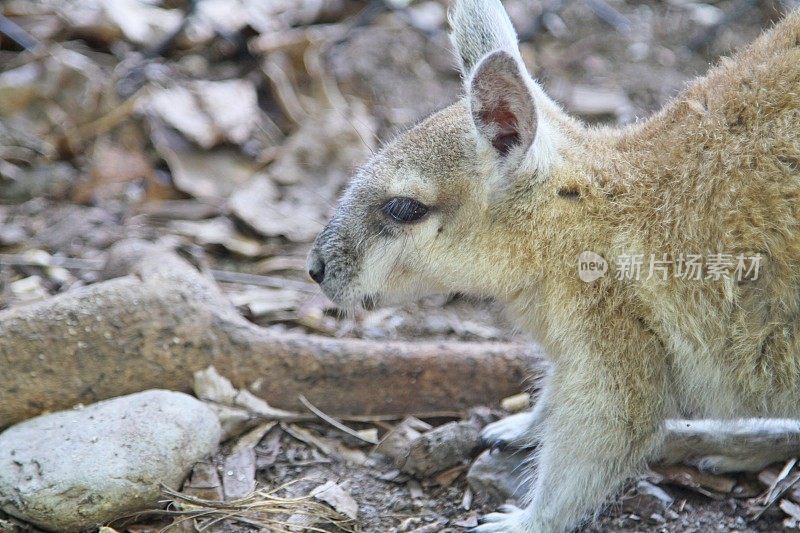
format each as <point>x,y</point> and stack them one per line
<point>721,464</point>
<point>510,432</point>
<point>509,519</point>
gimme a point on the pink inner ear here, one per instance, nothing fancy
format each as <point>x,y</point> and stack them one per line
<point>506,132</point>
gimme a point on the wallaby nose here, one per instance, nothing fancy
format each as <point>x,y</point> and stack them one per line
<point>316,267</point>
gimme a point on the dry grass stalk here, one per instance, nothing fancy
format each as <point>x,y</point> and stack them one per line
<point>263,508</point>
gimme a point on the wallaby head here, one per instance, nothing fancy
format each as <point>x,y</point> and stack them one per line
<point>423,214</point>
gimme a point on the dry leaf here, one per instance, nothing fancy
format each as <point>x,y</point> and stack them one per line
<point>113,167</point>
<point>209,385</point>
<point>311,168</point>
<point>260,302</point>
<point>447,477</point>
<point>252,438</point>
<point>258,205</point>
<point>27,290</point>
<point>204,483</point>
<point>218,231</point>
<point>793,510</point>
<point>234,420</point>
<point>142,22</point>
<point>178,108</point>
<point>212,174</point>
<point>239,474</point>
<point>18,87</point>
<point>268,449</point>
<point>231,106</point>
<point>338,498</point>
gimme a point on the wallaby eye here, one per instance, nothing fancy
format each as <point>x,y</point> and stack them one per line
<point>404,210</point>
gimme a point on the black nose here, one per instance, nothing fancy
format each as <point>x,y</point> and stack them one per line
<point>316,269</point>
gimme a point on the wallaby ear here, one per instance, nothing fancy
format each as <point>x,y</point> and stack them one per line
<point>477,28</point>
<point>501,103</point>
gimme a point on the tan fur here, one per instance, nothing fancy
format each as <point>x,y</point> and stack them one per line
<point>717,170</point>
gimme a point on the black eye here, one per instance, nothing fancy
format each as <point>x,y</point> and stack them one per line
<point>404,210</point>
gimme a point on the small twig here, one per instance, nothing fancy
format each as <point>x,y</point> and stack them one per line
<point>51,261</point>
<point>335,423</point>
<point>330,90</point>
<point>13,31</point>
<point>284,91</point>
<point>378,419</point>
<point>227,276</point>
<point>786,479</point>
<point>103,124</point>
<point>605,12</point>
<point>389,418</point>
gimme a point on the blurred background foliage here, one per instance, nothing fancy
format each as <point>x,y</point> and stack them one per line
<point>230,126</point>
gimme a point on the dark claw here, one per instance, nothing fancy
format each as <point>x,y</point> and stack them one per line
<point>492,445</point>
<point>499,445</point>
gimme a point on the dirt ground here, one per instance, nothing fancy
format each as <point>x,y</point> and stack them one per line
<point>99,141</point>
<point>402,505</point>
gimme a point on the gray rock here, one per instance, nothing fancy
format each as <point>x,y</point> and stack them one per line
<point>501,474</point>
<point>647,500</point>
<point>72,470</point>
<point>441,448</point>
<point>656,493</point>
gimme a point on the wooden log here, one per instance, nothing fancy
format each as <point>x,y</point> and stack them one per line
<point>159,320</point>
<point>731,445</point>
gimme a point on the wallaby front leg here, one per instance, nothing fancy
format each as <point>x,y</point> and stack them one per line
<point>520,430</point>
<point>600,428</point>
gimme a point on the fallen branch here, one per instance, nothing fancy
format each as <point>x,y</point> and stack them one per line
<point>157,320</point>
<point>731,446</point>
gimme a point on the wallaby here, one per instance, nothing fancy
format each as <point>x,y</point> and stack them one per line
<point>503,195</point>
